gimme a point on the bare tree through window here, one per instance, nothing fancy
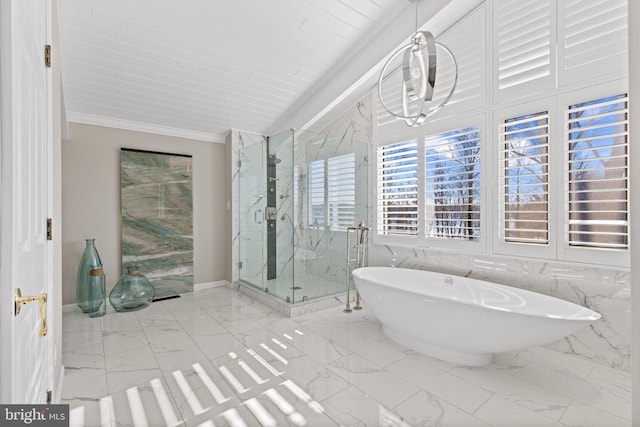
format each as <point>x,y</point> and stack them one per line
<point>452,201</point>
<point>597,137</point>
<point>525,179</point>
<point>398,189</point>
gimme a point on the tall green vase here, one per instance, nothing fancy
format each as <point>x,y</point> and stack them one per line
<point>90,257</point>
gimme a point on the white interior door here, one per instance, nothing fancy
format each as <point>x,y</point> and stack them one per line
<point>27,358</point>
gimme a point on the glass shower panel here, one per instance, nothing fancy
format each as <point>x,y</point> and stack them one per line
<point>252,226</point>
<point>331,177</point>
<point>281,237</point>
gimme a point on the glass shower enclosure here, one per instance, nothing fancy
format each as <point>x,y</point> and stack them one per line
<point>299,191</point>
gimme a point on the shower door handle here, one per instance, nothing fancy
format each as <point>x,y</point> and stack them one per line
<point>257,216</point>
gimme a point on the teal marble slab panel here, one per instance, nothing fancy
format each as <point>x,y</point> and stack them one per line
<point>157,218</point>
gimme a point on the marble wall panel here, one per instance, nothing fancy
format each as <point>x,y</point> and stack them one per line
<point>157,218</point>
<point>607,291</point>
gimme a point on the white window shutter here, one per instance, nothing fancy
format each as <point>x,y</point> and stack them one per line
<point>315,206</point>
<point>341,191</point>
<point>524,36</point>
<point>452,175</point>
<point>597,150</point>
<point>398,189</point>
<point>524,179</point>
<point>467,40</point>
<point>592,38</point>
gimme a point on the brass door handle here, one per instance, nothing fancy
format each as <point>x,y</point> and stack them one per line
<point>19,301</point>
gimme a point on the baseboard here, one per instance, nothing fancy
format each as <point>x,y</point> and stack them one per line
<point>208,285</point>
<point>68,308</point>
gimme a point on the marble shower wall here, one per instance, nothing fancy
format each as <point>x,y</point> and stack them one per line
<point>607,291</point>
<point>321,251</point>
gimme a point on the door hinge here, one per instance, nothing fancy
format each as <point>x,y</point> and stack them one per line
<point>239,264</point>
<point>49,229</point>
<point>47,56</point>
<point>49,397</point>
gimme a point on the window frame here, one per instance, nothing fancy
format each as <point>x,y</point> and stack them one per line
<point>503,247</point>
<point>421,240</point>
<point>591,255</point>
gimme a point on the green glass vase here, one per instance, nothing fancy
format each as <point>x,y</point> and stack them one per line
<point>90,257</point>
<point>132,292</point>
<point>97,292</point>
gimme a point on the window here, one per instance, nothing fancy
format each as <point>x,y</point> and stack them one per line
<point>597,146</point>
<point>524,179</point>
<point>452,174</point>
<point>341,191</point>
<point>315,203</point>
<point>398,189</point>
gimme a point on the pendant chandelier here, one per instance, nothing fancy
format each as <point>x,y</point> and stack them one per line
<point>418,77</point>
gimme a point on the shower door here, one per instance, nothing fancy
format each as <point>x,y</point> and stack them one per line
<point>252,204</point>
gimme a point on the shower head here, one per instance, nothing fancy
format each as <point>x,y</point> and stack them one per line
<point>274,159</point>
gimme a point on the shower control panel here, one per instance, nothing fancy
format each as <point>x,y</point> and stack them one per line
<point>271,213</point>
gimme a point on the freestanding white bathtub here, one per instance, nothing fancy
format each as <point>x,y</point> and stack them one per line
<point>461,320</point>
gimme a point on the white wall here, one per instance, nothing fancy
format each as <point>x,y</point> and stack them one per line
<point>634,116</point>
<point>91,199</point>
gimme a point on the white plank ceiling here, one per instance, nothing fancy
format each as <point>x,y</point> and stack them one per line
<point>200,67</point>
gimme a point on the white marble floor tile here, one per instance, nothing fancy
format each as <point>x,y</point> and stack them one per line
<point>615,391</point>
<point>558,361</point>
<point>316,346</point>
<point>316,379</point>
<point>76,321</point>
<point>353,407</point>
<point>382,385</point>
<point>537,399</point>
<point>121,380</point>
<point>561,383</point>
<point>426,409</point>
<point>84,412</point>
<point>218,344</point>
<point>120,322</point>
<point>382,353</point>
<point>459,392</point>
<point>84,383</point>
<point>138,358</point>
<point>580,415</point>
<point>83,349</point>
<point>500,412</point>
<point>118,342</point>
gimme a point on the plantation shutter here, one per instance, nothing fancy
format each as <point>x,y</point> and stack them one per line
<point>524,179</point>
<point>592,38</point>
<point>525,42</point>
<point>341,185</point>
<point>315,201</point>
<point>398,189</point>
<point>452,174</point>
<point>597,143</point>
<point>467,40</point>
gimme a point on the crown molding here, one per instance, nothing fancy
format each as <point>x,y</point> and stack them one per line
<point>112,122</point>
